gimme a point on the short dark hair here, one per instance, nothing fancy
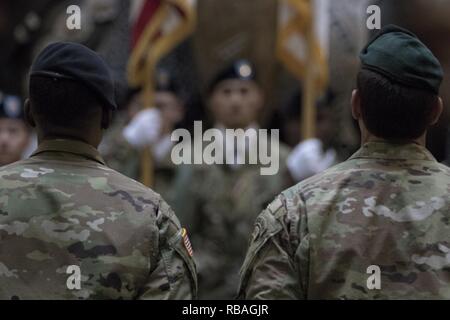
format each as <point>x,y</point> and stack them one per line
<point>62,102</point>
<point>391,110</point>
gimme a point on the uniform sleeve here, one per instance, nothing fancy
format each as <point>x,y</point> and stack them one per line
<point>173,274</point>
<point>271,269</point>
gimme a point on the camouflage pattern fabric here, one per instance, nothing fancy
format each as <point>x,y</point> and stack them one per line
<point>219,204</point>
<point>388,205</point>
<point>64,207</point>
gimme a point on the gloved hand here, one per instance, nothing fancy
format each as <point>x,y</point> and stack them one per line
<point>144,129</point>
<point>308,158</point>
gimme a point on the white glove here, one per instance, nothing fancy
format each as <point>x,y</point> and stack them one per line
<point>308,158</point>
<point>144,129</point>
<point>162,148</point>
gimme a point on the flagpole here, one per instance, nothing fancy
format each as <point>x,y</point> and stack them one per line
<point>147,164</point>
<point>308,114</point>
<point>147,167</point>
<point>152,44</point>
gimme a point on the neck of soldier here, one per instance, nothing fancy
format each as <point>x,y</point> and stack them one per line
<point>86,136</point>
<point>366,137</point>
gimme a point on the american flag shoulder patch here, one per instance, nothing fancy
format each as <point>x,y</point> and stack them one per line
<point>187,242</point>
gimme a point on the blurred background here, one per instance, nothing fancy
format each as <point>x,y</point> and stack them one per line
<point>302,56</point>
<point>223,31</point>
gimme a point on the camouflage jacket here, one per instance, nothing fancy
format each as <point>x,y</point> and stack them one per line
<point>386,208</point>
<point>63,207</point>
<point>219,204</point>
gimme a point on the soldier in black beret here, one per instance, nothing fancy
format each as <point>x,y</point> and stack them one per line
<point>220,201</point>
<point>105,235</point>
<point>15,134</point>
<point>70,87</point>
<point>235,98</point>
<point>169,100</point>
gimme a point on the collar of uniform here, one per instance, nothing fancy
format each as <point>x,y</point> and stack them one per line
<point>69,146</point>
<point>394,151</point>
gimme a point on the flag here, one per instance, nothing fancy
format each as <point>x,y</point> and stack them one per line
<point>302,46</point>
<point>297,19</point>
<point>159,26</point>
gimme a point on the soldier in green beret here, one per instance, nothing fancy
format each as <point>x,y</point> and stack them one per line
<point>377,225</point>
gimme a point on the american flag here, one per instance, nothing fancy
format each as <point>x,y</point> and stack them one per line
<point>187,242</point>
<point>294,19</point>
<point>158,27</point>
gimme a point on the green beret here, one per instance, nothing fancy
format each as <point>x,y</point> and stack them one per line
<point>400,56</point>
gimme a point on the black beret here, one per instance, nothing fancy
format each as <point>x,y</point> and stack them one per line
<point>399,55</point>
<point>68,60</point>
<point>240,69</point>
<point>11,107</point>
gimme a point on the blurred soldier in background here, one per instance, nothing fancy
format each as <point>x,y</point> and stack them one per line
<point>15,135</point>
<point>310,156</point>
<point>219,202</point>
<point>63,207</point>
<point>376,225</point>
<point>134,129</point>
<point>115,150</point>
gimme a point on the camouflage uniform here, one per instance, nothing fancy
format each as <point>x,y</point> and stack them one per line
<point>64,207</point>
<point>388,205</point>
<point>219,205</point>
